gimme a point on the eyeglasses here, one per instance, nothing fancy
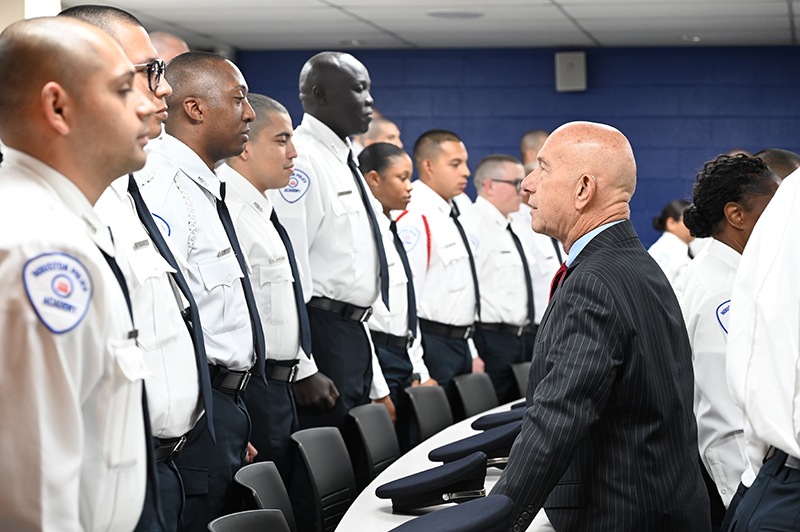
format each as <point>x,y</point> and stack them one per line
<point>155,69</point>
<point>516,182</point>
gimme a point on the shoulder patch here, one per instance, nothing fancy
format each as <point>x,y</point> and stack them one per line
<point>297,187</point>
<point>723,315</point>
<point>59,288</point>
<point>409,236</point>
<point>474,241</point>
<point>162,224</point>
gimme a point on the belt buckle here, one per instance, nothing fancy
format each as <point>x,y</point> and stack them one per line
<point>468,332</point>
<point>292,374</point>
<point>243,382</point>
<point>366,316</point>
<point>177,448</point>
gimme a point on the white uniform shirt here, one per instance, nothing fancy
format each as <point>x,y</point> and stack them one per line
<point>542,260</point>
<point>395,322</point>
<point>763,359</point>
<point>443,284</point>
<point>272,278</point>
<point>173,390</point>
<point>672,254</point>
<point>504,298</point>
<point>72,436</point>
<point>322,211</point>
<point>706,311</point>
<point>181,192</point>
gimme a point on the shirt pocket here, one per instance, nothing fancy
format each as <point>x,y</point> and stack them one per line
<point>455,260</point>
<point>222,278</point>
<point>346,205</point>
<point>503,258</point>
<point>155,307</point>
<point>277,302</point>
<point>123,440</point>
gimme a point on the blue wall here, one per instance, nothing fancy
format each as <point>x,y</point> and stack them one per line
<point>678,106</point>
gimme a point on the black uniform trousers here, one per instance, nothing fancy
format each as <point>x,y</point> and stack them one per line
<point>272,410</point>
<point>207,470</point>
<point>445,359</point>
<point>498,351</point>
<point>170,492</point>
<point>397,370</point>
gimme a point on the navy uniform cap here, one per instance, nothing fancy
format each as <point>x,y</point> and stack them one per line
<point>521,404</point>
<point>495,443</point>
<point>488,514</point>
<point>457,481</point>
<point>490,421</point>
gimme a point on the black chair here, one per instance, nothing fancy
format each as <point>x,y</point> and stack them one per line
<point>476,392</point>
<point>431,409</point>
<point>521,371</point>
<point>378,436</point>
<point>330,471</point>
<point>265,490</point>
<point>250,521</point>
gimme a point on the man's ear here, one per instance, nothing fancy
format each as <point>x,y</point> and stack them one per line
<point>585,190</point>
<point>735,214</point>
<point>427,165</point>
<point>194,108</point>
<point>320,95</point>
<point>248,150</point>
<point>58,107</point>
<point>373,179</point>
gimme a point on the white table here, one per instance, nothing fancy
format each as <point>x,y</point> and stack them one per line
<point>368,512</point>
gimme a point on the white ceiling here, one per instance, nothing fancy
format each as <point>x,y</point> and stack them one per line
<point>326,24</point>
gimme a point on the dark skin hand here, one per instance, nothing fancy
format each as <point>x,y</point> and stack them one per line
<point>317,392</point>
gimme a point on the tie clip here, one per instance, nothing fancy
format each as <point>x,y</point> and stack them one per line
<point>223,252</point>
<point>345,193</point>
<point>133,334</point>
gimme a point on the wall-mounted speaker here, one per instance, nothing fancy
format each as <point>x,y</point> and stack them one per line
<point>570,71</point>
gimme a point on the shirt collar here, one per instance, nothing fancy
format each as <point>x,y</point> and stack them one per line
<point>249,194</point>
<point>68,192</point>
<point>338,147</point>
<point>581,243</point>
<point>724,252</point>
<point>491,212</point>
<point>427,196</point>
<point>190,164</point>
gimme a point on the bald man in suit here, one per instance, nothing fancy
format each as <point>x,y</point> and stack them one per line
<point>608,440</point>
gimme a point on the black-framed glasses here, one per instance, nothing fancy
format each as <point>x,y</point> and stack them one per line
<point>516,182</point>
<point>155,69</point>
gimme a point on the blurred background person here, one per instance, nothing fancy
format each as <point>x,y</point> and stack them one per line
<point>671,250</point>
<point>168,45</point>
<point>782,162</point>
<point>382,130</point>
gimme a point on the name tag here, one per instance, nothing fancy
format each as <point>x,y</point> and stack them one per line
<point>505,252</point>
<point>141,244</point>
<point>451,244</point>
<point>224,252</point>
<point>257,206</point>
<point>275,261</point>
<point>345,193</point>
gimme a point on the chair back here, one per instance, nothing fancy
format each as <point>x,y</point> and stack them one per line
<point>378,436</point>
<point>431,409</point>
<point>476,392</point>
<point>250,521</point>
<point>521,371</point>
<point>330,471</point>
<point>265,490</point>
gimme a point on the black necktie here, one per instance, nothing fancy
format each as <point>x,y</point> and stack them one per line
<point>302,313</point>
<point>255,319</point>
<point>528,282</point>
<point>152,474</point>
<point>412,299</point>
<point>558,250</point>
<point>454,214</point>
<point>192,316</point>
<point>376,231</point>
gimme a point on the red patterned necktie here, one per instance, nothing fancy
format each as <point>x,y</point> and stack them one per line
<point>557,278</point>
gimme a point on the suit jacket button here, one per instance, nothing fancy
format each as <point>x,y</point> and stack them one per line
<point>525,515</point>
<point>516,528</point>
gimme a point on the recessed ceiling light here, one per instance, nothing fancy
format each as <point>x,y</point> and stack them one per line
<point>352,42</point>
<point>454,14</point>
<point>691,38</point>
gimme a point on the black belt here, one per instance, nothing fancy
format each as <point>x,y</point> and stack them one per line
<point>445,330</point>
<point>346,310</point>
<point>402,342</point>
<point>281,370</point>
<point>226,379</point>
<point>504,328</point>
<point>168,451</point>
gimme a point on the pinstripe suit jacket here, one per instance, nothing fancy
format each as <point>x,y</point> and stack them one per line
<point>609,440</point>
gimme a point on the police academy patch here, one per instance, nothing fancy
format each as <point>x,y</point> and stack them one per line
<point>723,315</point>
<point>409,236</point>
<point>297,187</point>
<point>59,288</point>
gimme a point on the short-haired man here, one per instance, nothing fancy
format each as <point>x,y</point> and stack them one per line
<point>382,130</point>
<point>441,258</point>
<point>782,162</point>
<point>608,440</point>
<point>208,121</point>
<point>529,146</point>
<point>73,442</point>
<point>267,164</point>
<point>505,270</point>
<point>179,368</point>
<point>169,46</point>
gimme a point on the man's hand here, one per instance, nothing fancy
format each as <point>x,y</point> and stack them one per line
<point>316,391</point>
<point>429,382</point>
<point>251,454</point>
<point>387,402</point>
<point>477,365</point>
